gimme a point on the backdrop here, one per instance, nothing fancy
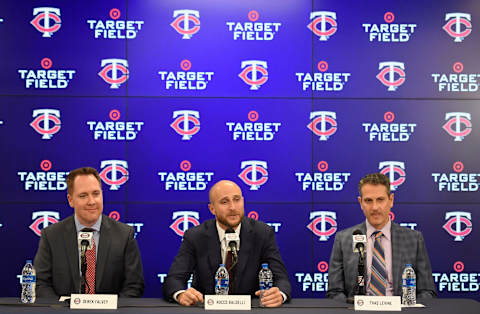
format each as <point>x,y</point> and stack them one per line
<point>293,100</point>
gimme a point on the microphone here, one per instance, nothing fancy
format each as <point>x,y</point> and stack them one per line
<point>85,242</point>
<point>232,239</point>
<point>359,242</point>
<point>358,246</point>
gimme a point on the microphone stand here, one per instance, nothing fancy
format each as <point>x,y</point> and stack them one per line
<point>233,248</point>
<point>359,288</point>
<point>83,260</point>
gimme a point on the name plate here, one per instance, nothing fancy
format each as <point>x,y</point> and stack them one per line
<point>94,301</point>
<point>228,302</point>
<point>377,303</point>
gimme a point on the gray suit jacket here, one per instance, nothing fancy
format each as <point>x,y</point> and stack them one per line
<point>408,247</point>
<point>200,254</point>
<point>119,266</point>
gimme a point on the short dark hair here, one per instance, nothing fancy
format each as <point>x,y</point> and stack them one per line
<point>375,179</point>
<point>84,171</point>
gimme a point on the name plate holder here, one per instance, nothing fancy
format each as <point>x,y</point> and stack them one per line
<point>94,301</point>
<point>228,302</point>
<point>377,303</point>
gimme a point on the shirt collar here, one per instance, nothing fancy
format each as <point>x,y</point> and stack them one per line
<point>80,226</point>
<point>385,230</point>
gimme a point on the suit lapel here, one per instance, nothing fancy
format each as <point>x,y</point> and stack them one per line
<point>103,251</point>
<point>246,242</point>
<point>396,259</point>
<point>71,249</point>
<point>214,250</point>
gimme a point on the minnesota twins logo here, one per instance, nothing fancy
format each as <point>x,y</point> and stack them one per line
<point>46,14</point>
<point>391,168</point>
<point>258,73</point>
<point>454,123</point>
<point>454,224</point>
<point>323,218</point>
<point>453,27</point>
<point>184,119</point>
<point>323,118</point>
<point>182,221</point>
<point>42,219</point>
<point>185,17</point>
<point>42,124</point>
<point>319,24</point>
<point>110,69</point>
<point>254,173</point>
<point>387,74</point>
<point>113,167</point>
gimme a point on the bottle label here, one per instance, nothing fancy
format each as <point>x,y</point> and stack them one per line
<point>408,282</point>
<point>29,279</point>
<point>222,283</point>
<point>265,285</point>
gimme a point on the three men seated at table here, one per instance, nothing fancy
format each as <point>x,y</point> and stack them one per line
<point>114,264</point>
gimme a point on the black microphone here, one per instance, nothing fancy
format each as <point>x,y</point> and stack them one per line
<point>85,242</point>
<point>359,241</point>
<point>232,238</point>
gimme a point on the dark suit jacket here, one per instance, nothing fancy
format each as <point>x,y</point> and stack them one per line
<point>200,254</point>
<point>408,247</point>
<point>119,265</point>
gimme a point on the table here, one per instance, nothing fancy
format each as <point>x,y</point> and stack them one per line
<point>303,306</point>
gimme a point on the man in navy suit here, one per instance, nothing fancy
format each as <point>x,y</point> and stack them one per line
<point>204,247</point>
<point>398,246</point>
<point>116,265</point>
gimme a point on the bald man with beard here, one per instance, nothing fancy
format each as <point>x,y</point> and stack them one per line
<point>203,248</point>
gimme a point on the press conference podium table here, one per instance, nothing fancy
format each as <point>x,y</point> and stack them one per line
<point>300,306</point>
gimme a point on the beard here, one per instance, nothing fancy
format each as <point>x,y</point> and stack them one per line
<point>224,222</point>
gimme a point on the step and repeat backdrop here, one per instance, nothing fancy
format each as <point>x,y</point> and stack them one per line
<point>293,100</point>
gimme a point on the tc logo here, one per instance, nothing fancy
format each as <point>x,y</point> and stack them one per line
<point>114,66</point>
<point>322,118</point>
<point>454,25</point>
<point>182,221</point>
<point>322,18</point>
<point>454,224</point>
<point>185,17</point>
<point>181,125</point>
<point>387,75</point>
<point>258,173</point>
<point>323,218</point>
<point>42,219</point>
<point>254,67</point>
<point>46,14</point>
<point>41,123</point>
<point>392,168</point>
<point>454,123</point>
<point>113,167</point>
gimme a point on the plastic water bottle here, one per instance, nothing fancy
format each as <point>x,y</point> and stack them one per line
<point>409,286</point>
<point>265,279</point>
<point>29,279</point>
<point>221,280</point>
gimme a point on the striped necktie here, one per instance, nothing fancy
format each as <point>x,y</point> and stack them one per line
<point>378,278</point>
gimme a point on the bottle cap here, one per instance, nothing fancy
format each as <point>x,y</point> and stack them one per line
<point>29,261</point>
<point>222,265</point>
<point>265,265</point>
<point>407,265</point>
